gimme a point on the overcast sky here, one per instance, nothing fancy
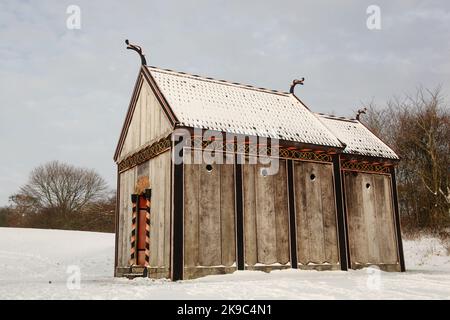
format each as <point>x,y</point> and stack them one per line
<point>64,93</point>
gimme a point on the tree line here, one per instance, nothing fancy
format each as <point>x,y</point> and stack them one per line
<point>417,127</point>
<point>62,196</point>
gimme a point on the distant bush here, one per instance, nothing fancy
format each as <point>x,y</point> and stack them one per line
<point>4,214</point>
<point>61,196</point>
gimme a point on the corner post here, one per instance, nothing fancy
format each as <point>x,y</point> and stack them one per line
<point>177,215</point>
<point>397,220</point>
<point>344,256</point>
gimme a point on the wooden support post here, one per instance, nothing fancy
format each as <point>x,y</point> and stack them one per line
<point>292,218</point>
<point>344,256</point>
<point>239,204</point>
<point>177,220</point>
<point>397,220</point>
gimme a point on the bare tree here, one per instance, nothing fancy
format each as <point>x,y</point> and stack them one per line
<point>418,128</point>
<point>62,187</point>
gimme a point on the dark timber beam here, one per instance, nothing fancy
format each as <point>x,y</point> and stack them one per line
<point>292,218</point>
<point>344,256</point>
<point>239,204</point>
<point>397,220</point>
<point>177,219</point>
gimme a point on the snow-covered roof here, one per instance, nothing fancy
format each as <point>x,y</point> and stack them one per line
<point>358,139</point>
<point>240,109</point>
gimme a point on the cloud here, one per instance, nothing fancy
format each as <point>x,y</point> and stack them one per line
<point>64,93</point>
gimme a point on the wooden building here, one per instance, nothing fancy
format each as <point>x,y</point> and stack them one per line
<point>330,203</point>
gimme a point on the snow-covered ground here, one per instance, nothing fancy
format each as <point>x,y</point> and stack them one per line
<point>36,264</point>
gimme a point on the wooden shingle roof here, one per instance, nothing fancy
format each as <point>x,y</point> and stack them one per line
<point>199,102</point>
<point>358,139</point>
<point>219,105</point>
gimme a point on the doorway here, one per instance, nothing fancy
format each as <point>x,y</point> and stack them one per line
<point>140,236</point>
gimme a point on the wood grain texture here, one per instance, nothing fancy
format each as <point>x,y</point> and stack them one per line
<point>385,219</point>
<point>121,237</point>
<point>370,219</point>
<point>168,207</point>
<point>356,219</point>
<point>148,122</point>
<point>227,214</point>
<point>191,206</point>
<point>282,214</point>
<point>329,215</point>
<point>160,182</point>
<point>209,215</point>
<point>250,235</point>
<point>301,209</point>
<point>266,215</point>
<point>368,206</point>
<point>127,188</point>
<point>315,213</point>
<point>131,181</point>
<point>155,212</point>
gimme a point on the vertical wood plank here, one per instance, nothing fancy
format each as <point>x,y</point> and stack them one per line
<point>130,181</point>
<point>329,214</point>
<point>153,110</point>
<point>122,237</point>
<point>281,214</point>
<point>361,238</point>
<point>168,207</point>
<point>135,126</point>
<point>158,120</point>
<point>227,214</point>
<point>385,220</point>
<point>315,212</point>
<point>368,205</point>
<point>301,208</point>
<point>162,207</point>
<point>350,199</point>
<point>154,213</point>
<point>357,223</point>
<point>250,242</point>
<point>265,217</point>
<point>191,211</point>
<point>144,110</point>
<point>209,217</point>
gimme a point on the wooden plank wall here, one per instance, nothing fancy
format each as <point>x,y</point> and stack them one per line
<point>147,124</point>
<point>158,170</point>
<point>266,216</point>
<point>315,213</point>
<point>160,183</point>
<point>370,213</point>
<point>209,216</point>
<point>127,185</point>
